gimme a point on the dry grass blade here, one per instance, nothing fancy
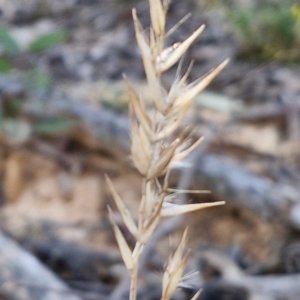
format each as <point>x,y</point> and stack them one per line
<point>138,110</point>
<point>129,222</point>
<point>163,66</point>
<point>168,130</point>
<point>175,269</point>
<point>151,223</point>
<point>176,26</point>
<point>158,17</point>
<point>189,191</point>
<point>179,83</point>
<point>150,199</point>
<point>195,88</point>
<point>183,154</point>
<point>159,167</point>
<point>123,246</point>
<point>151,203</point>
<point>166,53</point>
<point>139,149</point>
<point>171,209</point>
<point>148,63</point>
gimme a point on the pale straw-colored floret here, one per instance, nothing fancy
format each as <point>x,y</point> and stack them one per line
<point>174,269</point>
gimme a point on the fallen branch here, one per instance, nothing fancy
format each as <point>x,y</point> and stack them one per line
<point>22,276</point>
<point>271,200</point>
<point>267,287</point>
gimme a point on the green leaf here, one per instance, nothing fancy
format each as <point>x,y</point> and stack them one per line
<point>8,41</point>
<point>267,30</point>
<point>53,125</point>
<point>6,64</point>
<point>47,41</point>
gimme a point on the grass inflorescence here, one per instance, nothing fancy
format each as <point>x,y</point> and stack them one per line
<point>155,147</point>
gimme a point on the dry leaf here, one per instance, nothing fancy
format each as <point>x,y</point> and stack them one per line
<point>128,220</point>
<point>123,246</point>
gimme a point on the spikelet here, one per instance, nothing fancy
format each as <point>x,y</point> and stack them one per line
<point>175,268</point>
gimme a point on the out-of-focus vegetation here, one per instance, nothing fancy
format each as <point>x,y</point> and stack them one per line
<point>47,41</point>
<point>14,127</point>
<point>11,48</point>
<point>266,30</point>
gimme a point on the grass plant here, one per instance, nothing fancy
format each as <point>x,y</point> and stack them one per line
<point>264,29</point>
<point>155,146</point>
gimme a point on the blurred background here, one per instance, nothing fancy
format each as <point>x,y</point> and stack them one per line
<point>64,124</point>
